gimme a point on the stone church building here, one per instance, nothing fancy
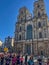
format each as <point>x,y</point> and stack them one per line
<point>32,32</point>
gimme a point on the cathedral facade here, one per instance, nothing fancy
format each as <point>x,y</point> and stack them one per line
<point>32,32</point>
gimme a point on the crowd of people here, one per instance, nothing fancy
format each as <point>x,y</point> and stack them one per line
<point>11,59</point>
<point>17,59</point>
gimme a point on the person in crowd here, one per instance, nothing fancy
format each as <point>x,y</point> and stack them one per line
<point>48,61</point>
<point>2,59</point>
<point>14,60</point>
<point>7,60</point>
<point>26,57</point>
<point>10,55</point>
<point>21,60</point>
<point>39,61</point>
<point>18,59</point>
<point>30,61</point>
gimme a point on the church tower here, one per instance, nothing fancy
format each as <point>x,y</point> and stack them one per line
<point>39,8</point>
<point>40,20</point>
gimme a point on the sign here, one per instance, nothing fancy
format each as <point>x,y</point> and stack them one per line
<point>6,49</point>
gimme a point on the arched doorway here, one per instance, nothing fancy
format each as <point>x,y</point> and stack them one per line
<point>28,49</point>
<point>41,50</point>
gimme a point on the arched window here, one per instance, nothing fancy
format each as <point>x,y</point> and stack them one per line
<point>21,19</point>
<point>44,23</point>
<point>38,14</point>
<point>19,37</point>
<point>40,34</point>
<point>29,32</point>
<point>39,24</point>
<point>45,35</point>
<point>20,28</point>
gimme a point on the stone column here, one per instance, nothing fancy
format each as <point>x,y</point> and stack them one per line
<point>23,48</point>
<point>31,48</point>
